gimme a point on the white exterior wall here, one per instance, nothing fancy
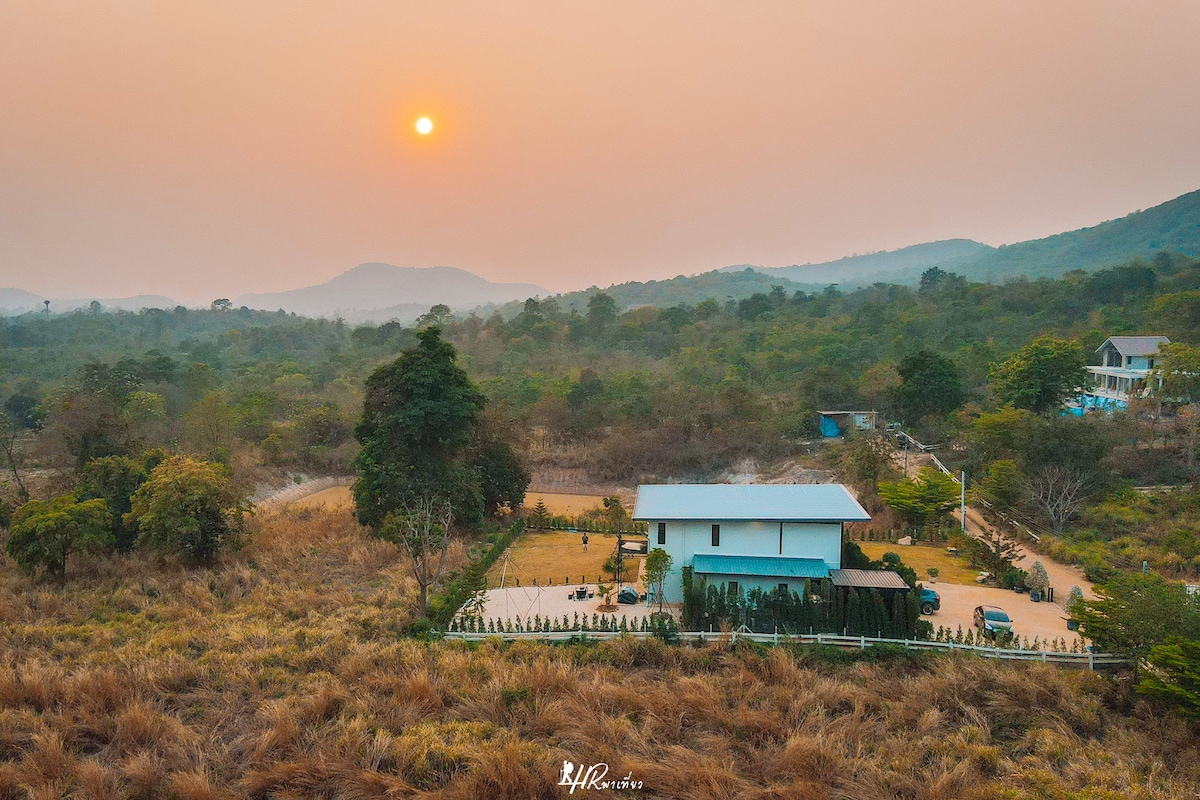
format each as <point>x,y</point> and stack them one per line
<point>740,538</point>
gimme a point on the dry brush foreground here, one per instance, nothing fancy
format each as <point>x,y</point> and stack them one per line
<point>281,673</point>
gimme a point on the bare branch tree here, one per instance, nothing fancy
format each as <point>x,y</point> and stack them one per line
<point>9,430</point>
<point>422,530</point>
<point>1059,492</point>
<point>1187,433</point>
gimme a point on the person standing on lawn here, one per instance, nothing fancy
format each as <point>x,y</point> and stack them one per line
<point>585,543</point>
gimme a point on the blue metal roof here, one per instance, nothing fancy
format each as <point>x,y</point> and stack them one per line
<point>766,566</point>
<point>758,502</point>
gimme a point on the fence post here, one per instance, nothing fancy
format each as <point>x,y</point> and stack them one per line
<point>1091,661</point>
<point>862,642</point>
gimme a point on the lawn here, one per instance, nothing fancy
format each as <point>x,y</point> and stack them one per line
<point>952,568</point>
<point>555,556</point>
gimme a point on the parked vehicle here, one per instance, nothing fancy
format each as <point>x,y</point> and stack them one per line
<point>991,621</point>
<point>930,601</point>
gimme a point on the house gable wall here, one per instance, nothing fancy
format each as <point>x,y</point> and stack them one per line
<point>686,538</point>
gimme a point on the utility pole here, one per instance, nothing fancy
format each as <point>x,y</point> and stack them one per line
<point>962,486</point>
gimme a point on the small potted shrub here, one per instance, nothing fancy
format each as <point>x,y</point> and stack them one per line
<point>1072,606</point>
<point>1038,582</point>
<point>933,574</point>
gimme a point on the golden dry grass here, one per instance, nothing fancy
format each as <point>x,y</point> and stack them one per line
<point>556,555</point>
<point>281,674</point>
<point>568,504</point>
<point>952,568</point>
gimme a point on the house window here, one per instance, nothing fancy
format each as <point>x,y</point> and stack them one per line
<point>716,536</point>
<point>733,587</point>
<point>783,588</point>
<point>662,533</point>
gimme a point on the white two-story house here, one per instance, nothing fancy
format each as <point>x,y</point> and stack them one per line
<point>767,536</point>
<point>1124,373</point>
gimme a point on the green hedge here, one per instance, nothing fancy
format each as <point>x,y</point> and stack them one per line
<point>444,605</point>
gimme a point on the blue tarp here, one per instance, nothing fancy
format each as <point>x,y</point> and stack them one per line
<point>829,427</point>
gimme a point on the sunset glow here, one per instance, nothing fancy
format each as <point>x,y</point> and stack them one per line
<point>569,144</point>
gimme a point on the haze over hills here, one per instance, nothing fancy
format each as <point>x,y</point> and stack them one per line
<point>380,292</point>
<point>1173,225</point>
<point>19,301</point>
<point>375,292</point>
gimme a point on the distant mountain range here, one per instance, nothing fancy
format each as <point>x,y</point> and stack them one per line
<point>376,292</point>
<point>381,292</point>
<point>896,266</point>
<point>19,301</point>
<point>1174,226</point>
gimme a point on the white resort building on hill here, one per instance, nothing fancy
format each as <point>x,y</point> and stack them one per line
<point>1124,373</point>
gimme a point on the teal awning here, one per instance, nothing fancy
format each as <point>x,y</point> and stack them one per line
<point>764,566</point>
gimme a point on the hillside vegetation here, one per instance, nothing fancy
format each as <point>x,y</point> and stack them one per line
<point>279,672</point>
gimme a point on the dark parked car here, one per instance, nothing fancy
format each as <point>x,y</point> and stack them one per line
<point>930,601</point>
<point>628,596</point>
<point>992,621</point>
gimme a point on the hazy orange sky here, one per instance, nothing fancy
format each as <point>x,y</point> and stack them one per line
<point>205,149</point>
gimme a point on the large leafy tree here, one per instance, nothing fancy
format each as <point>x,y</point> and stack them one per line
<point>114,479</point>
<point>187,506</point>
<point>419,417</point>
<point>1175,675</point>
<point>923,499</point>
<point>503,479</point>
<point>42,535</point>
<point>1040,375</point>
<point>1180,373</point>
<point>929,386</point>
<point>1135,612</point>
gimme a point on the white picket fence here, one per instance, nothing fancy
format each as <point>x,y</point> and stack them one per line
<point>1091,661</point>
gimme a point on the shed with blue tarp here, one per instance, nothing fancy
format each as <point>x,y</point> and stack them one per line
<point>838,423</point>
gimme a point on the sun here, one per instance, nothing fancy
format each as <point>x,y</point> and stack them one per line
<point>424,125</point>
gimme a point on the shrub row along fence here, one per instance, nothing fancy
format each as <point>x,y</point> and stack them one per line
<point>581,623</point>
<point>444,606</point>
<point>815,606</point>
<point>1091,661</point>
<point>610,623</point>
<point>892,535</point>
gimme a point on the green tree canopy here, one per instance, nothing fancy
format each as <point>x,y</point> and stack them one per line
<point>114,479</point>
<point>1175,675</point>
<point>1040,375</point>
<point>1134,612</point>
<point>922,499</point>
<point>187,506</point>
<point>419,417</point>
<point>1180,371</point>
<point>42,535</point>
<point>929,386</point>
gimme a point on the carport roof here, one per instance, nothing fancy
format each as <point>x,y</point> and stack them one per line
<point>764,566</point>
<point>867,578</point>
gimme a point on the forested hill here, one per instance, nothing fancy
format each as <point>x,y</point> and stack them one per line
<point>719,285</point>
<point>899,266</point>
<point>1172,226</point>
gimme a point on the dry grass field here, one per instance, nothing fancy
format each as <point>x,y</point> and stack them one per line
<point>555,555</point>
<point>951,568</point>
<point>282,673</point>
